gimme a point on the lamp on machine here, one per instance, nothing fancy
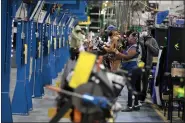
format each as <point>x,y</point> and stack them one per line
<point>12,38</point>
<point>106,4</point>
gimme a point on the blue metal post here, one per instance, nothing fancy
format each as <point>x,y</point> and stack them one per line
<point>46,66</point>
<point>28,87</point>
<point>33,57</point>
<point>55,48</point>
<point>5,61</point>
<point>66,47</point>
<point>59,36</point>
<point>19,102</point>
<point>50,52</point>
<point>38,89</point>
<point>63,36</point>
<point>42,48</point>
<point>53,71</point>
<point>57,63</point>
<point>61,48</point>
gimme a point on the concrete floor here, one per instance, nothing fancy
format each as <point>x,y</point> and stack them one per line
<point>40,108</point>
<point>146,113</point>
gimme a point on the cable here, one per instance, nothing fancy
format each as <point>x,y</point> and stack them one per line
<point>64,91</point>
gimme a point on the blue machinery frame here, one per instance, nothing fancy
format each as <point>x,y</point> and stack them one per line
<point>5,62</point>
<point>44,43</point>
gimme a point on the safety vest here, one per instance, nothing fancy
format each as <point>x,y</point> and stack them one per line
<point>131,63</point>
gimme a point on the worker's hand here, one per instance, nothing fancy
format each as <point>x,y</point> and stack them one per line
<point>102,47</point>
<point>85,40</point>
<point>105,43</point>
<point>119,36</point>
<point>116,51</point>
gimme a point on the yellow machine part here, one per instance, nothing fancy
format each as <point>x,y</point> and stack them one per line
<point>80,76</point>
<point>52,112</point>
<point>111,120</point>
<point>88,22</point>
<point>58,84</point>
<point>25,52</point>
<point>82,69</point>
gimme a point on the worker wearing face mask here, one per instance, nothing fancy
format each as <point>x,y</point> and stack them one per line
<point>151,49</point>
<point>75,43</point>
<point>114,39</point>
<point>130,60</point>
<point>83,41</point>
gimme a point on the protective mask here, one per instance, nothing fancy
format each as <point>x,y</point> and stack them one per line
<point>145,34</point>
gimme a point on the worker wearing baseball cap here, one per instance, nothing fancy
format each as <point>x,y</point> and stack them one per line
<point>111,28</point>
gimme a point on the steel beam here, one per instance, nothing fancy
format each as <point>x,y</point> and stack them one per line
<point>61,1</point>
<point>19,101</point>
<point>5,61</point>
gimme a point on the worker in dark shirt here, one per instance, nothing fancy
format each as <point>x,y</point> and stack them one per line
<point>151,49</point>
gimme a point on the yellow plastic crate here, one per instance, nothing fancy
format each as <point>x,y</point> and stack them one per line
<point>52,112</point>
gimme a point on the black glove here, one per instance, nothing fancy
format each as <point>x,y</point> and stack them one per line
<point>100,46</point>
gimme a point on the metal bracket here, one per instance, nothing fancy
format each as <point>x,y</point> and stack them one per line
<point>37,34</point>
<point>14,29</point>
<point>23,35</point>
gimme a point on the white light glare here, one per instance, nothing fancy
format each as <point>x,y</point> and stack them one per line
<point>11,55</point>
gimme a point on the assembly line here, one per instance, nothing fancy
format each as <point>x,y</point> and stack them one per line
<point>55,67</point>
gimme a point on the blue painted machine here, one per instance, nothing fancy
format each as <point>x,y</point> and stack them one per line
<point>41,29</point>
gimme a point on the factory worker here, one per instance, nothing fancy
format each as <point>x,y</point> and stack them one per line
<point>76,39</point>
<point>151,49</point>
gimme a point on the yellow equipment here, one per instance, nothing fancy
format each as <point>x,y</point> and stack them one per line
<point>82,69</point>
<point>81,75</point>
<point>88,22</point>
<point>52,112</point>
<point>141,64</point>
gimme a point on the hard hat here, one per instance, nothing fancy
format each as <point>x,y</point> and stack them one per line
<point>111,28</point>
